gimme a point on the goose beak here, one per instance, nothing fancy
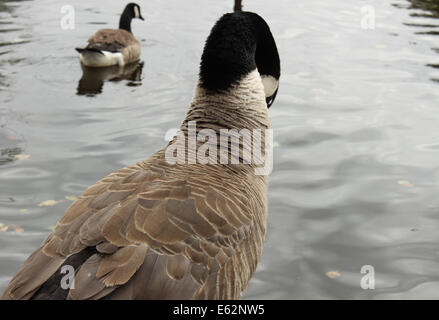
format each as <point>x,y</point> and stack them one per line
<point>271,99</point>
<point>141,18</point>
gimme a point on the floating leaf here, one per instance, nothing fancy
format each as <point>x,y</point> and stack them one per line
<point>319,91</point>
<point>16,228</point>
<point>48,203</point>
<point>405,183</point>
<point>21,156</point>
<point>71,198</point>
<point>25,211</point>
<point>51,228</point>
<point>333,274</point>
<point>276,144</point>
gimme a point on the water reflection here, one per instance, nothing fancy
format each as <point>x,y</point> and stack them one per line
<point>6,6</point>
<point>11,144</point>
<point>9,140</point>
<point>428,9</point>
<point>92,81</point>
<point>430,6</point>
<point>10,154</point>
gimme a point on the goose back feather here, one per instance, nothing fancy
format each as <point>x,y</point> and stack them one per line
<point>156,230</point>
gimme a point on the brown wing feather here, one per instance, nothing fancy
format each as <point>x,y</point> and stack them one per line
<point>116,40</point>
<point>37,269</point>
<point>158,232</point>
<point>108,36</point>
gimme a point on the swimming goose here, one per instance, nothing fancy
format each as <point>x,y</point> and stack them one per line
<point>163,230</point>
<point>109,47</point>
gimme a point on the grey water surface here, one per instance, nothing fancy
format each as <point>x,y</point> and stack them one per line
<point>356,131</point>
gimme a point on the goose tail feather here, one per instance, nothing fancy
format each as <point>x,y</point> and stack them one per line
<point>81,50</point>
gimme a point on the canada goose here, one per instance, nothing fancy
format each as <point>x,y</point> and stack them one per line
<point>109,47</point>
<point>156,230</point>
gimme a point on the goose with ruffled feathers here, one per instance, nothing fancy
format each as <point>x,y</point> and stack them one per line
<point>109,47</point>
<point>156,230</point>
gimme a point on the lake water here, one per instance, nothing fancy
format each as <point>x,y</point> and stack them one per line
<point>356,166</point>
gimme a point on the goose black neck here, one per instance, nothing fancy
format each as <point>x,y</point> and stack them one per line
<point>239,43</point>
<point>125,20</point>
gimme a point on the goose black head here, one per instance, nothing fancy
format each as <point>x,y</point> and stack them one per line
<point>239,43</point>
<point>131,11</point>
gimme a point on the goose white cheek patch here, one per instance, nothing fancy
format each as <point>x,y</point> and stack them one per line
<point>270,85</point>
<point>136,12</point>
